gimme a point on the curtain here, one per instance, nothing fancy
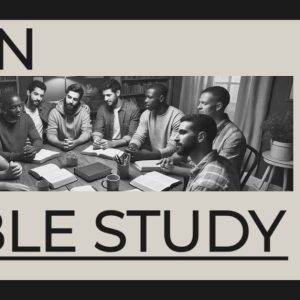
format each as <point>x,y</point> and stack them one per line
<point>192,86</point>
<point>252,107</point>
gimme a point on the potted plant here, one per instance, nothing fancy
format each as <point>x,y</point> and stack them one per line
<point>280,129</point>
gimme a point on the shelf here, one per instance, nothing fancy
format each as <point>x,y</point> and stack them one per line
<point>130,95</point>
<point>6,81</point>
<point>144,79</point>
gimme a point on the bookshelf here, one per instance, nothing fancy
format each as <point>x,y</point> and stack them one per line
<point>9,84</point>
<point>136,86</point>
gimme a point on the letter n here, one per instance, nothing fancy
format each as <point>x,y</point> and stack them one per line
<point>26,60</point>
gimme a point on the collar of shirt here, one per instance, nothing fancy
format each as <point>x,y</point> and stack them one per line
<point>223,123</point>
<point>211,156</point>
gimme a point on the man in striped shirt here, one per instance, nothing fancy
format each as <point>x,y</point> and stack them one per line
<point>212,172</point>
<point>230,141</point>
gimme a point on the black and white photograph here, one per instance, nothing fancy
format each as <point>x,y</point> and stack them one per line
<point>146,133</point>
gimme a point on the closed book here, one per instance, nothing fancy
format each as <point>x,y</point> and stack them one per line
<point>154,182</point>
<point>93,171</point>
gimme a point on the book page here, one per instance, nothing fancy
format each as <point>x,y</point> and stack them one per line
<point>42,170</point>
<point>90,150</point>
<point>167,180</point>
<point>148,164</point>
<point>58,176</point>
<point>84,188</point>
<point>148,183</point>
<point>44,154</point>
<point>111,152</point>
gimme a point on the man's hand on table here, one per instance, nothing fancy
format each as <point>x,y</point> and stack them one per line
<point>29,153</point>
<point>68,144</point>
<point>103,144</point>
<point>13,171</point>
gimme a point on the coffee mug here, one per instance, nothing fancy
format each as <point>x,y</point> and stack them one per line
<point>43,185</point>
<point>112,182</point>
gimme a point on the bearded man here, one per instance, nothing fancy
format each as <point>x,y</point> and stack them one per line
<point>69,123</point>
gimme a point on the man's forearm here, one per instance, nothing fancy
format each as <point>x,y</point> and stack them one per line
<point>53,140</point>
<point>4,164</point>
<point>84,137</point>
<point>120,143</point>
<point>3,175</point>
<point>180,171</point>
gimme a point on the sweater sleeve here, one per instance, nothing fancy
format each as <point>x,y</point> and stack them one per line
<point>52,123</point>
<point>133,124</point>
<point>171,144</point>
<point>34,136</point>
<point>86,126</point>
<point>142,131</point>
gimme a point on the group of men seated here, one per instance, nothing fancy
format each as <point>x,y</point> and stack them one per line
<point>205,147</point>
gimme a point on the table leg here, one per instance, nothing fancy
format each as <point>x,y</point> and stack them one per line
<point>263,179</point>
<point>270,177</point>
<point>285,179</point>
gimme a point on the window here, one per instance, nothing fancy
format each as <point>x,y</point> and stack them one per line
<point>232,84</point>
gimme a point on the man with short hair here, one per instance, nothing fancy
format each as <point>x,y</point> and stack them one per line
<point>230,141</point>
<point>159,123</point>
<point>69,123</point>
<point>19,139</point>
<point>212,172</point>
<point>117,119</point>
<point>35,94</point>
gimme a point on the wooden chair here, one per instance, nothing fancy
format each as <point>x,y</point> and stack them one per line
<point>250,162</point>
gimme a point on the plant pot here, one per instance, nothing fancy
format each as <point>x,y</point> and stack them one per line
<point>282,151</point>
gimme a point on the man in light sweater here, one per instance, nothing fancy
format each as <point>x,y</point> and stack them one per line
<point>69,123</point>
<point>159,123</point>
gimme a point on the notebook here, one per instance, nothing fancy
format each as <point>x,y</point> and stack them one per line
<point>109,153</point>
<point>148,165</point>
<point>93,171</point>
<point>43,155</point>
<point>53,174</point>
<point>83,188</point>
<point>154,181</point>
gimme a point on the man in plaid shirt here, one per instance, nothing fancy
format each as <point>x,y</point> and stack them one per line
<point>212,172</point>
<point>230,141</point>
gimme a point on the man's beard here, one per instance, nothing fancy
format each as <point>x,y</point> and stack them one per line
<point>70,111</point>
<point>186,150</point>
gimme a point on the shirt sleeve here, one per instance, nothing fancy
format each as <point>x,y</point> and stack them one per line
<point>86,126</point>
<point>142,131</point>
<point>133,124</point>
<point>52,123</point>
<point>234,149</point>
<point>171,144</point>
<point>34,136</point>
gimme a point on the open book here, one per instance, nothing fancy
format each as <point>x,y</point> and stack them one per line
<point>109,153</point>
<point>83,188</point>
<point>44,155</point>
<point>154,181</point>
<point>54,175</point>
<point>148,165</point>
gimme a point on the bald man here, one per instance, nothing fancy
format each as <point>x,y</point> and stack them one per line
<point>19,139</point>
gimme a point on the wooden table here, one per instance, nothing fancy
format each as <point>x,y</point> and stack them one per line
<point>273,163</point>
<point>83,160</point>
